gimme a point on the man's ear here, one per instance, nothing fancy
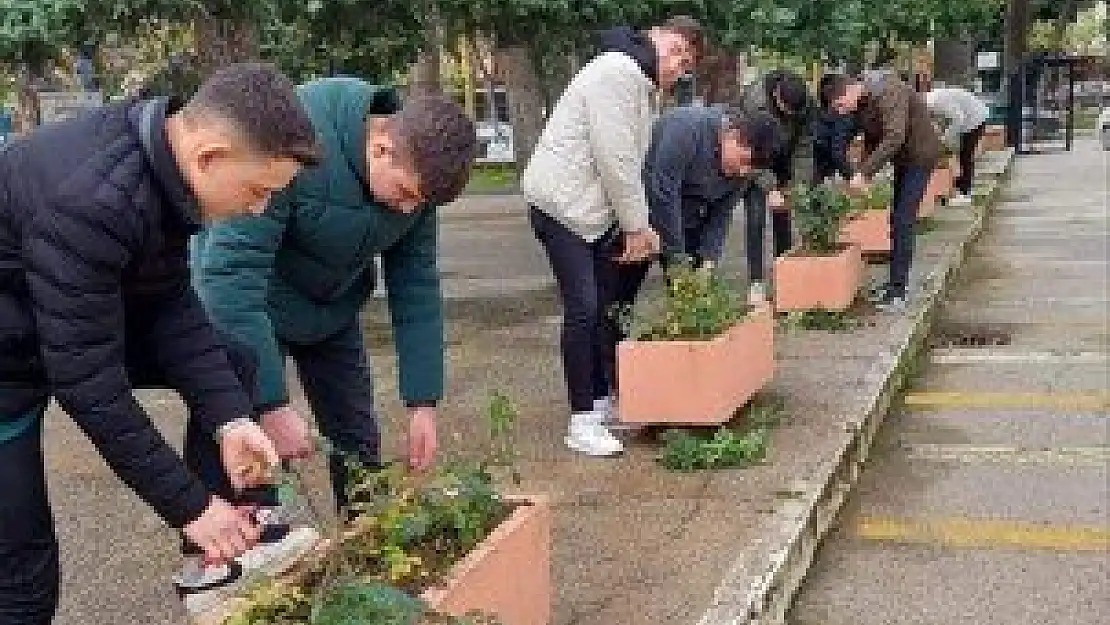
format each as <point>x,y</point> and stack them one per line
<point>209,153</point>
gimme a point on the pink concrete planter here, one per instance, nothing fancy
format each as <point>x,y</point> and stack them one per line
<point>829,282</point>
<point>695,382</point>
<point>508,575</point>
<point>994,139</point>
<point>870,230</point>
<point>940,183</point>
<point>927,207</point>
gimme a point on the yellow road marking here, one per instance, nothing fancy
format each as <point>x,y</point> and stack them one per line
<point>1059,401</point>
<point>959,532</point>
<point>969,454</point>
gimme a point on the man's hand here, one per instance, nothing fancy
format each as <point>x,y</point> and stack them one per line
<point>248,455</point>
<point>858,183</point>
<point>222,531</point>
<point>639,246</point>
<point>290,434</point>
<point>776,200</point>
<point>422,437</point>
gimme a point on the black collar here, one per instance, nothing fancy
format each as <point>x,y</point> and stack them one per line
<point>150,119</point>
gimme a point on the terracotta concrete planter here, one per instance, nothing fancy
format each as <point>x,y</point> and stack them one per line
<point>870,229</point>
<point>829,282</point>
<point>940,183</point>
<point>695,382</point>
<point>994,139</point>
<point>507,575</point>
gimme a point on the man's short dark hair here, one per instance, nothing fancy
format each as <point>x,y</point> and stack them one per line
<point>759,131</point>
<point>262,104</point>
<point>832,87</point>
<point>794,94</point>
<point>689,29</point>
<point>440,140</point>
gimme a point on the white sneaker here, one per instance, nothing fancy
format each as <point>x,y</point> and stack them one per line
<point>589,436</point>
<point>757,293</point>
<point>204,588</point>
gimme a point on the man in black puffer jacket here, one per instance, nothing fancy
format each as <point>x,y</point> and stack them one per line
<point>95,300</point>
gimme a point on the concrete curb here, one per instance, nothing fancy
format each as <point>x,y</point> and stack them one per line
<point>762,582</point>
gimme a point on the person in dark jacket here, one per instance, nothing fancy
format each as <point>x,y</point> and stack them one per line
<point>95,217</point>
<point>897,129</point>
<point>785,96</point>
<point>833,133</point>
<point>292,282</point>
<point>697,164</point>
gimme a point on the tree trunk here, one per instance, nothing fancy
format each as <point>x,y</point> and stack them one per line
<point>954,61</point>
<point>517,71</point>
<point>1017,34</point>
<point>424,74</point>
<point>221,42</point>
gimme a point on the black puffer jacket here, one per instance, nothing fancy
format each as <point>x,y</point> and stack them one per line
<point>94,227</point>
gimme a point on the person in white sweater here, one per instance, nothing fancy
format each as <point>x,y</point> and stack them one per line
<point>588,207</point>
<point>966,118</point>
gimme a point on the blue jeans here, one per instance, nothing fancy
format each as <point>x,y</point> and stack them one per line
<point>910,182</point>
<point>755,223</point>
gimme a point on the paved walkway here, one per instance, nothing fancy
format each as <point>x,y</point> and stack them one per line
<point>633,543</point>
<point>987,500</point>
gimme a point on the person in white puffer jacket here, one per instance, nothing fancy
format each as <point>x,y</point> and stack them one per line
<point>588,207</point>
<point>966,116</point>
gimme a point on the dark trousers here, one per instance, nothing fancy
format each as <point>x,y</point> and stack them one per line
<point>339,386</point>
<point>28,548</point>
<point>593,287</point>
<point>29,570</point>
<point>969,141</point>
<point>755,224</point>
<point>909,188</point>
<point>337,382</point>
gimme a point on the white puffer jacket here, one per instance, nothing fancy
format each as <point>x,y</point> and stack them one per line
<point>586,169</point>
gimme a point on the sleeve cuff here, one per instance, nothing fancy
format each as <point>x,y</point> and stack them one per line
<point>188,507</point>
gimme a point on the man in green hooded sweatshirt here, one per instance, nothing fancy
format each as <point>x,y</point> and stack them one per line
<point>292,282</point>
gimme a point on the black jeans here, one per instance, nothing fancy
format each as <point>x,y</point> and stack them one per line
<point>29,569</point>
<point>909,188</point>
<point>968,142</point>
<point>755,224</point>
<point>337,382</point>
<point>339,386</point>
<point>592,287</point>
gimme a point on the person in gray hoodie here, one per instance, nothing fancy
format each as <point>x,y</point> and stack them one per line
<point>588,209</point>
<point>966,119</point>
<point>699,161</point>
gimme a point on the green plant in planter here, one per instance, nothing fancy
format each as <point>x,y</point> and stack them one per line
<point>879,195</point>
<point>405,531</point>
<point>695,305</point>
<point>818,213</point>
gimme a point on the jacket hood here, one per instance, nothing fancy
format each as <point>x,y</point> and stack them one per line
<point>628,40</point>
<point>339,107</point>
